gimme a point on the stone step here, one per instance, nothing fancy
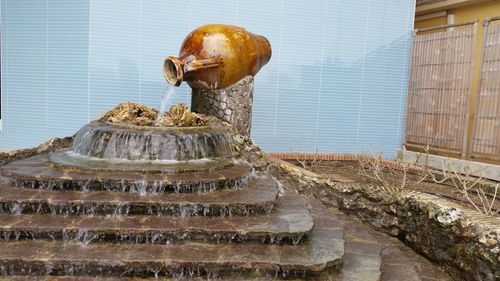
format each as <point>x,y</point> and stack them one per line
<point>396,266</point>
<point>322,250</point>
<point>258,196</point>
<point>289,222</point>
<point>401,263</point>
<point>38,172</point>
<point>362,258</point>
<point>397,261</point>
<point>237,277</point>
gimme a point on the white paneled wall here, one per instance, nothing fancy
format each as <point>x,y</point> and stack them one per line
<point>337,79</point>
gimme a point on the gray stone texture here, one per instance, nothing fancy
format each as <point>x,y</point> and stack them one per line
<point>462,240</point>
<point>232,104</point>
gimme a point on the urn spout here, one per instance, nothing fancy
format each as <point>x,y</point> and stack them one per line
<point>173,70</point>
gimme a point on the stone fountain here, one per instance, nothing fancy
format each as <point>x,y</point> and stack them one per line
<point>134,198</point>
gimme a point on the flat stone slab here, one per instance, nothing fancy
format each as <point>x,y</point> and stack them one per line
<point>258,196</point>
<point>323,249</point>
<point>397,261</point>
<point>362,259</point>
<point>238,277</point>
<point>68,160</point>
<point>39,173</point>
<point>289,222</point>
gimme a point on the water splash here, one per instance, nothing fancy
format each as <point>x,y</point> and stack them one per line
<point>16,208</point>
<point>166,101</point>
<point>281,189</point>
<point>84,236</point>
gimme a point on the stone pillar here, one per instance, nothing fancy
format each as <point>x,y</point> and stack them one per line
<point>232,104</point>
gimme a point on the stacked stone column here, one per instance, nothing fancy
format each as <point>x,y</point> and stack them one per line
<point>232,104</point>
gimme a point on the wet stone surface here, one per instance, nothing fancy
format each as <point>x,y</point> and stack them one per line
<point>321,250</point>
<point>288,223</point>
<point>231,277</point>
<point>258,196</point>
<point>38,172</point>
<point>66,160</point>
<point>370,255</point>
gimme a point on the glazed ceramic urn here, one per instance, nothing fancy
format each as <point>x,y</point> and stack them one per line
<point>215,56</point>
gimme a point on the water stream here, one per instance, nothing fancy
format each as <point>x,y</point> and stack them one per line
<point>166,101</point>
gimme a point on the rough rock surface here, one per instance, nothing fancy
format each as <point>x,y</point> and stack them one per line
<point>180,115</point>
<point>50,145</point>
<point>130,113</point>
<point>463,240</point>
<point>442,230</point>
<point>232,104</point>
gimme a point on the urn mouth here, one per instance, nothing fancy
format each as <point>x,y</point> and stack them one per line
<point>173,70</point>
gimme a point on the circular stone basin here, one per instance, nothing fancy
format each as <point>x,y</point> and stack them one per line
<point>71,160</point>
<point>113,141</point>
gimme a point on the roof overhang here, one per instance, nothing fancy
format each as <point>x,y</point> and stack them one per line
<point>445,5</point>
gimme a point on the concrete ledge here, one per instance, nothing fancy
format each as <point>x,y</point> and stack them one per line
<point>488,171</point>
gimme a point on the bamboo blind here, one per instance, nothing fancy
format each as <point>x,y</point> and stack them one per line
<point>486,138</point>
<point>440,87</point>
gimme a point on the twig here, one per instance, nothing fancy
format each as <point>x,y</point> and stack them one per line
<point>464,182</point>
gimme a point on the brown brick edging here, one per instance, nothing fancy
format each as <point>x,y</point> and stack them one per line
<point>332,157</point>
<point>311,156</point>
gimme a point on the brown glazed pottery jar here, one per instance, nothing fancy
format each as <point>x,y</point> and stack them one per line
<point>215,56</point>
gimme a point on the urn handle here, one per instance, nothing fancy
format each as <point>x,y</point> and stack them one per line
<point>174,67</point>
<point>203,63</point>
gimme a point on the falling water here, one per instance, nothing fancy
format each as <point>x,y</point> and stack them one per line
<point>166,101</point>
<point>108,142</point>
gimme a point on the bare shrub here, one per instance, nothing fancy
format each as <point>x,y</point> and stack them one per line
<point>312,163</point>
<point>392,176</point>
<point>466,183</point>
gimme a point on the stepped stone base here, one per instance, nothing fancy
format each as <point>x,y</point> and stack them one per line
<point>323,249</point>
<point>70,223</point>
<point>232,104</point>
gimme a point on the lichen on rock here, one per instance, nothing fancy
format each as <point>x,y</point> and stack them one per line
<point>130,113</point>
<point>180,115</point>
<point>449,215</point>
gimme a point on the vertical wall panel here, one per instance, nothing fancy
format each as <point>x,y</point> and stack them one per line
<point>384,63</point>
<point>300,69</point>
<point>161,23</point>
<point>67,71</point>
<point>257,16</point>
<point>486,138</point>
<point>113,53</point>
<point>24,48</point>
<point>440,88</point>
